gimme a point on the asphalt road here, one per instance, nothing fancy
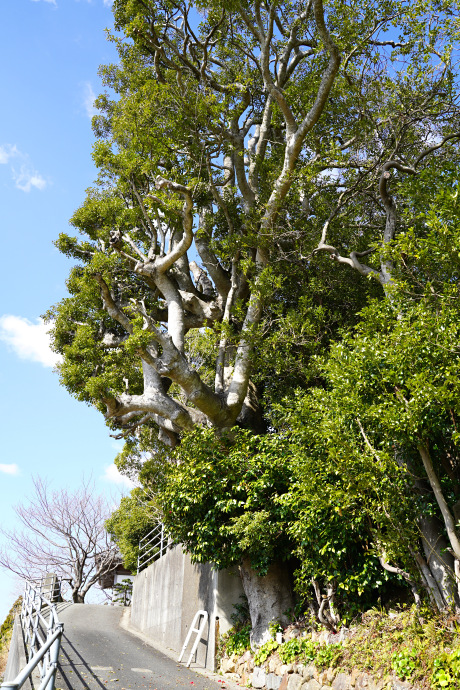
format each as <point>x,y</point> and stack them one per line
<point>96,654</point>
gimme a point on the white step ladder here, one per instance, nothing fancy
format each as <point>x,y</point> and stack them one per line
<point>199,632</point>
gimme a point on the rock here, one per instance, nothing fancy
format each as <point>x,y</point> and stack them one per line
<point>364,682</point>
<point>343,634</point>
<point>311,684</point>
<point>342,682</point>
<point>284,682</point>
<point>380,683</point>
<point>284,668</point>
<point>272,681</point>
<point>273,664</point>
<point>299,668</point>
<point>330,675</point>
<point>354,674</point>
<point>246,656</point>
<point>228,666</point>
<point>322,678</point>
<point>245,677</point>
<point>295,681</point>
<point>309,671</point>
<point>400,684</point>
<point>258,677</point>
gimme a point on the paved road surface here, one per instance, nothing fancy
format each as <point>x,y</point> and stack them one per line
<point>96,654</point>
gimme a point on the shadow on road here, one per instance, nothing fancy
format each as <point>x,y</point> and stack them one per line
<point>75,668</point>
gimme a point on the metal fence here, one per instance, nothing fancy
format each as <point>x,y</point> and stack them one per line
<point>42,633</point>
<point>154,545</point>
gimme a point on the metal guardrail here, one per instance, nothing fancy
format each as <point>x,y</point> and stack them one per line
<point>42,634</point>
<point>198,632</point>
<point>154,545</point>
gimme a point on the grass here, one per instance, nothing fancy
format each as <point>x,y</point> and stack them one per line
<point>402,642</point>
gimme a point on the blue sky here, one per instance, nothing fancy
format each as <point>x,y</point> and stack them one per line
<point>49,56</point>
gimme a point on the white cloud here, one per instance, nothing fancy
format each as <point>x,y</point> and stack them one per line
<point>6,152</point>
<point>88,99</point>
<point>51,2</point>
<point>28,340</point>
<point>112,475</point>
<point>27,178</point>
<point>9,469</point>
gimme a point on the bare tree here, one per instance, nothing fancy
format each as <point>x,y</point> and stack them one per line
<point>62,532</point>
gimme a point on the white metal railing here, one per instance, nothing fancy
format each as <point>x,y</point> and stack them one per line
<point>154,545</point>
<point>198,632</point>
<point>42,633</point>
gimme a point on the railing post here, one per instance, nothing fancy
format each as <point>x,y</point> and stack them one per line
<point>53,657</point>
<point>42,637</point>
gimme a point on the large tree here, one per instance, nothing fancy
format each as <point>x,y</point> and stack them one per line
<point>239,141</point>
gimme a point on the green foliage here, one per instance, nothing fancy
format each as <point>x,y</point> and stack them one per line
<point>446,671</point>
<point>328,655</point>
<point>298,647</point>
<point>275,627</point>
<point>237,641</point>
<point>221,501</point>
<point>132,520</point>
<point>122,592</point>
<point>264,651</point>
<point>6,628</point>
<point>404,663</point>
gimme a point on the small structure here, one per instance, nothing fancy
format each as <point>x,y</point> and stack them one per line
<point>115,576</point>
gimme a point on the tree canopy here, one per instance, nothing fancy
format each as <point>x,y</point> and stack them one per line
<point>273,237</point>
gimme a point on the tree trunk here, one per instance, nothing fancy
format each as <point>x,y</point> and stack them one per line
<point>269,597</point>
<point>438,558</point>
<point>78,598</point>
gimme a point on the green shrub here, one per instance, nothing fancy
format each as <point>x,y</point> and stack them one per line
<point>7,625</point>
<point>328,654</point>
<point>404,663</point>
<point>237,641</point>
<point>446,671</point>
<point>298,647</point>
<point>264,651</point>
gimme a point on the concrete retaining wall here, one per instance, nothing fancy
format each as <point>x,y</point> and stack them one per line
<point>16,655</point>
<point>168,593</point>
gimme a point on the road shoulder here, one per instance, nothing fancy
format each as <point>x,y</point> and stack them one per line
<point>125,623</point>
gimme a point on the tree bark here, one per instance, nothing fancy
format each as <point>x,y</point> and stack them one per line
<point>439,560</point>
<point>269,597</point>
<point>78,598</point>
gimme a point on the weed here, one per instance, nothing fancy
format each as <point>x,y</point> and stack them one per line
<point>404,663</point>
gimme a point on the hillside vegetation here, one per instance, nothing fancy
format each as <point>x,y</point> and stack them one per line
<point>6,631</point>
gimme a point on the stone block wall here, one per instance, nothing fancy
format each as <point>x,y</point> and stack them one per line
<point>276,676</point>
